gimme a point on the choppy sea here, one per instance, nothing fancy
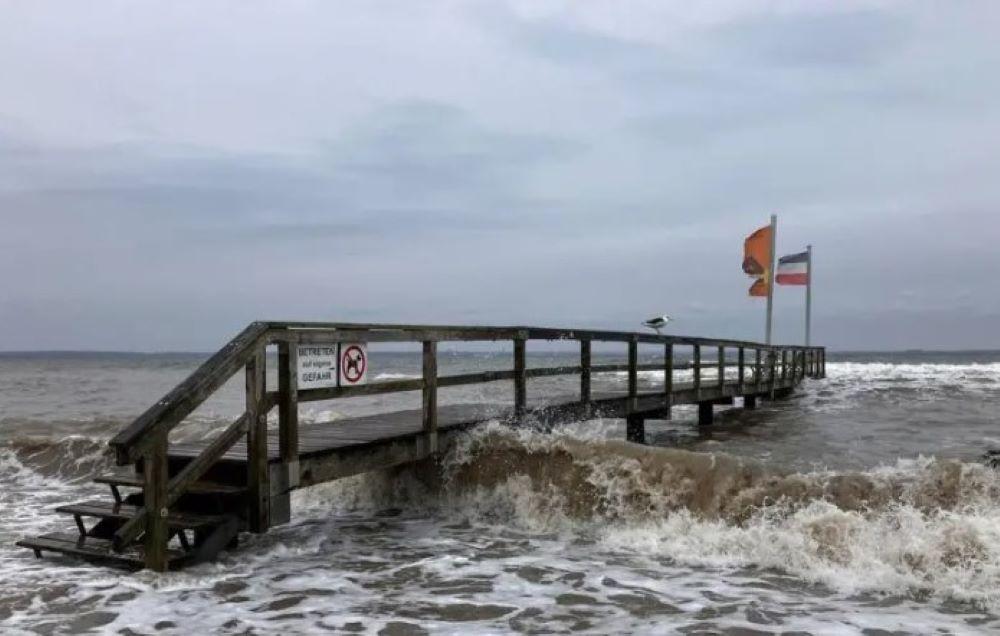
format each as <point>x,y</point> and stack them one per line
<point>858,506</point>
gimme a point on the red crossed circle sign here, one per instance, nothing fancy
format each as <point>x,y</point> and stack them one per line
<point>353,363</point>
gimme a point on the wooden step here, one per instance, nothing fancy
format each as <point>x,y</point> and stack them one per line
<point>93,550</point>
<point>197,488</point>
<point>124,512</point>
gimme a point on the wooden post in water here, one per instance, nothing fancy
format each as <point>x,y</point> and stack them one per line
<point>520,378</point>
<point>696,370</point>
<point>772,363</point>
<point>258,482</point>
<point>721,366</point>
<point>288,409</point>
<point>758,370</point>
<point>635,425</point>
<point>668,378</point>
<point>154,493</point>
<point>430,395</point>
<point>585,372</point>
<point>705,413</point>
<point>740,370</point>
<point>784,366</point>
<point>633,373</point>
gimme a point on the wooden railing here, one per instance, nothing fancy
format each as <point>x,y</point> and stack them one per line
<point>145,441</point>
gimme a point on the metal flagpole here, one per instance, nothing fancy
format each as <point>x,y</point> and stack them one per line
<point>809,287</point>
<point>770,277</point>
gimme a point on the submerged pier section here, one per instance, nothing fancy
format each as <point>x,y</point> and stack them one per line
<point>181,504</point>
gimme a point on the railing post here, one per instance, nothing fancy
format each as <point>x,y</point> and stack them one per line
<point>288,409</point>
<point>772,363</point>
<point>430,395</point>
<point>721,364</point>
<point>520,378</point>
<point>696,362</point>
<point>633,374</point>
<point>635,423</point>
<point>259,513</point>
<point>740,369</point>
<point>758,369</point>
<point>154,493</point>
<point>668,376</point>
<point>585,371</point>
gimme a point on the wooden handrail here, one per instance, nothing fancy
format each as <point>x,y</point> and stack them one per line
<point>133,442</point>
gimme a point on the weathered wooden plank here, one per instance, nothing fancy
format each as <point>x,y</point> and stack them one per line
<point>102,509</point>
<point>140,435</point>
<point>520,379</point>
<point>633,375</point>
<point>668,377</point>
<point>288,403</point>
<point>258,476</point>
<point>429,398</point>
<point>131,480</point>
<point>385,332</point>
<point>154,493</point>
<point>373,388</point>
<point>721,365</point>
<point>696,366</point>
<point>758,370</point>
<point>741,368</point>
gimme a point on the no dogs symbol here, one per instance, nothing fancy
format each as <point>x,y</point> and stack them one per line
<point>353,364</point>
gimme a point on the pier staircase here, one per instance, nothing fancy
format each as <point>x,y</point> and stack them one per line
<point>206,520</point>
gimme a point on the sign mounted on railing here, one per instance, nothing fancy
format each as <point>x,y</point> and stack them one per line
<point>317,366</point>
<point>325,366</point>
<point>353,364</point>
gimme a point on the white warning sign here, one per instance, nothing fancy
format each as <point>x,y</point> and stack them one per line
<point>317,366</point>
<point>353,364</point>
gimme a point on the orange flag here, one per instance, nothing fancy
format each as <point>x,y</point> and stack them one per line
<point>759,288</point>
<point>757,259</point>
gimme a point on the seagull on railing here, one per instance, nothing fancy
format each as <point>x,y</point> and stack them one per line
<point>657,323</point>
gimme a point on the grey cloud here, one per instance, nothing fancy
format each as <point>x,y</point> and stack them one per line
<point>515,171</point>
<point>840,39</point>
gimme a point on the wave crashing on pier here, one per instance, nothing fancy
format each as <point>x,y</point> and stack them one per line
<point>923,527</point>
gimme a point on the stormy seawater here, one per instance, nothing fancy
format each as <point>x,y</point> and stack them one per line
<point>859,505</point>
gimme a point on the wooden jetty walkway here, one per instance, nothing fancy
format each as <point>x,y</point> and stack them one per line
<point>184,503</point>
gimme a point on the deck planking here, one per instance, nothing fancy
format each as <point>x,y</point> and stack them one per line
<point>319,438</point>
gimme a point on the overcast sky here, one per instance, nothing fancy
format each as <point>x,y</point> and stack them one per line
<point>172,171</point>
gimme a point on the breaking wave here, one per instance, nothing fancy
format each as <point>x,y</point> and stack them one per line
<point>920,527</point>
<point>72,458</point>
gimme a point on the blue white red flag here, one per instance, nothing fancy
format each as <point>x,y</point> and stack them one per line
<point>793,269</point>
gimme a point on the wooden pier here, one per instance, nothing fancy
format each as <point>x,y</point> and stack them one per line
<point>184,503</point>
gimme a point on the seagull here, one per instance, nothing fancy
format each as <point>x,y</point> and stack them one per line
<point>657,323</point>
